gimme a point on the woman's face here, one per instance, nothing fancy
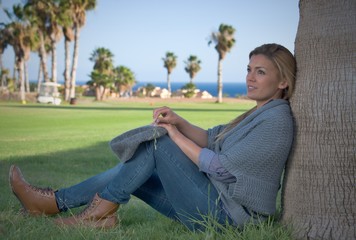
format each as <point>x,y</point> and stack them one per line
<point>263,80</point>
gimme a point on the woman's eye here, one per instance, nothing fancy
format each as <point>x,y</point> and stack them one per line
<point>248,70</point>
<point>261,72</point>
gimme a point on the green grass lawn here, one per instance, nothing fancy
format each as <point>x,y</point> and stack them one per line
<point>59,146</point>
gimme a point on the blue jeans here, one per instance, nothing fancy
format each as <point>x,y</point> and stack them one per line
<point>165,178</point>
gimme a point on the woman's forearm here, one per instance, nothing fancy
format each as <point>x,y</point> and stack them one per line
<point>198,135</point>
<point>188,146</point>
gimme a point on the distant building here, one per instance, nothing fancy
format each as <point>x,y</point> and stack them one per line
<point>203,95</point>
<point>161,93</point>
<point>164,93</point>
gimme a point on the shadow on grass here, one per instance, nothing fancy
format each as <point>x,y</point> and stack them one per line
<point>63,169</point>
<point>57,169</point>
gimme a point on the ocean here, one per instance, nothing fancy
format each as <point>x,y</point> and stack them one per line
<point>230,89</point>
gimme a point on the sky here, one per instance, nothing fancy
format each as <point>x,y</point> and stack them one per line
<point>140,32</point>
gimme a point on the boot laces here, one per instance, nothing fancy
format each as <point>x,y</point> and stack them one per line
<point>48,192</point>
<point>89,208</point>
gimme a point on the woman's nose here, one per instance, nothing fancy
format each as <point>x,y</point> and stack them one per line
<point>250,77</point>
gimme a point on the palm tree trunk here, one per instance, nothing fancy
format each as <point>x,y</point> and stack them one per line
<point>220,85</point>
<point>319,192</point>
<point>75,62</point>
<point>20,63</point>
<point>1,70</point>
<point>54,61</point>
<point>54,64</point>
<point>1,63</point>
<point>14,77</point>
<point>103,91</point>
<point>43,57</point>
<point>97,93</point>
<point>27,80</point>
<point>3,79</point>
<point>169,83</point>
<point>67,81</point>
<point>39,78</point>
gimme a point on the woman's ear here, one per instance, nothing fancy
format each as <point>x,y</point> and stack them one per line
<point>283,84</point>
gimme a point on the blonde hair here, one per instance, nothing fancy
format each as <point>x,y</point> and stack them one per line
<point>285,62</point>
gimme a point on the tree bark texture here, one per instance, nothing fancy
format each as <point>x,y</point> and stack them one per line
<point>39,78</point>
<point>43,57</point>
<point>67,80</point>
<point>20,66</point>
<point>319,192</point>
<point>27,80</point>
<point>75,63</point>
<point>220,81</point>
<point>169,83</point>
<point>54,61</point>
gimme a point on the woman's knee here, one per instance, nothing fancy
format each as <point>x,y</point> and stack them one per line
<point>166,145</point>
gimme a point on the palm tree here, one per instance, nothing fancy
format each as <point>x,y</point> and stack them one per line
<point>55,20</point>
<point>36,12</point>
<point>68,37</point>
<point>224,40</point>
<point>40,15</point>
<point>101,82</point>
<point>192,66</point>
<point>47,50</point>
<point>170,62</point>
<point>102,75</point>
<point>49,17</point>
<point>103,59</point>
<point>22,36</point>
<point>4,42</point>
<point>125,79</point>
<point>149,89</point>
<point>77,10</point>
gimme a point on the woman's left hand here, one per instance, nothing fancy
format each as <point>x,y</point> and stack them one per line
<point>171,129</point>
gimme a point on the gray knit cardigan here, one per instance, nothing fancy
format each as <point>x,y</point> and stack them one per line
<point>255,152</point>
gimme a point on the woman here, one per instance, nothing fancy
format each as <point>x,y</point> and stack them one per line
<point>232,171</point>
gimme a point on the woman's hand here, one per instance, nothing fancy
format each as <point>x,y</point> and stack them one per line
<point>179,126</point>
<point>172,130</point>
<point>180,131</point>
<point>165,115</point>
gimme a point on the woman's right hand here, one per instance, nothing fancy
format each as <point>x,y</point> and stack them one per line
<point>165,115</point>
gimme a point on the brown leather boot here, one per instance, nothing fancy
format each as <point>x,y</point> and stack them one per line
<point>100,213</point>
<point>36,201</point>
